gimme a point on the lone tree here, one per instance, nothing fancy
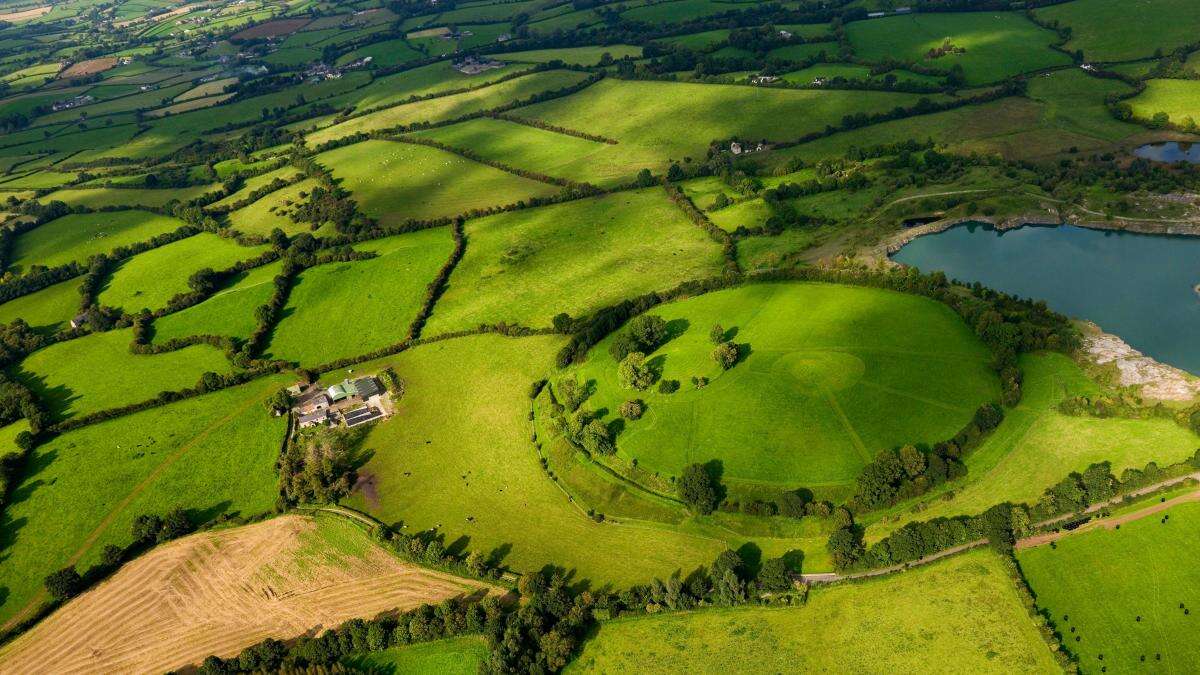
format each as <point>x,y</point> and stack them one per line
<point>633,372</point>
<point>650,331</point>
<point>725,354</point>
<point>65,583</point>
<point>717,334</point>
<point>697,490</point>
<point>632,410</point>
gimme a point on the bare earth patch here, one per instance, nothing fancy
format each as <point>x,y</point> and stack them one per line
<point>1156,380</point>
<point>26,14</point>
<point>89,67</point>
<point>219,592</point>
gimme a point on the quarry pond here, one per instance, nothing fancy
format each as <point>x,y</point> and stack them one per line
<point>1142,287</point>
<point>1170,151</point>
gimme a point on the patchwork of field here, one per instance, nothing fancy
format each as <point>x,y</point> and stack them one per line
<point>345,309</point>
<point>677,120</point>
<point>406,117</point>
<point>221,591</point>
<point>829,377</point>
<point>527,266</point>
<point>1119,30</point>
<point>213,454</point>
<point>1148,579</point>
<point>997,45</point>
<point>463,463</point>
<point>1036,446</point>
<point>958,615</point>
<point>394,182</point>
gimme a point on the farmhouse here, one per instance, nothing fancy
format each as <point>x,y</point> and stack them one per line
<point>73,102</point>
<point>473,66</point>
<point>352,402</point>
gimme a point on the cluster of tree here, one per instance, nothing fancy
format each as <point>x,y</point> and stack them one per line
<point>730,580</point>
<point>700,488</point>
<point>762,39</point>
<point>318,467</point>
<point>147,530</point>
<point>945,49</point>
<point>17,340</point>
<point>910,471</point>
<point>1002,524</point>
<point>357,636</point>
<point>646,333</point>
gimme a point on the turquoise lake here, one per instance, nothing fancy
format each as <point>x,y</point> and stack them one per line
<point>1138,286</point>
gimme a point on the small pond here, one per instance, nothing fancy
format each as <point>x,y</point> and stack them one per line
<point>1170,152</point>
<point>1141,287</point>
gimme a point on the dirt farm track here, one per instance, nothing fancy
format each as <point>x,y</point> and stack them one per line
<point>217,593</point>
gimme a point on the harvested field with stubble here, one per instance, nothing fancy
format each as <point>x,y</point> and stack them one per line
<point>219,592</point>
<point>89,67</point>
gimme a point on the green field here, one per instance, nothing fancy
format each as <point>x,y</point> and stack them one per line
<point>1179,99</point>
<point>97,372</point>
<point>547,152</point>
<point>213,454</point>
<point>677,120</point>
<point>699,41</point>
<point>454,656</point>
<point>1096,585</point>
<point>677,11</point>
<point>834,375</point>
<point>98,198</point>
<point>394,182</point>
<point>78,236</point>
<point>526,266</point>
<point>1074,102</point>
<point>229,311</point>
<point>955,616</point>
<point>48,309</point>
<point>998,45</point>
<point>478,477</point>
<point>1036,446</point>
<point>450,107</point>
<point>580,56</point>
<point>152,278</point>
<point>383,54</point>
<point>340,310</point>
<point>1118,30</point>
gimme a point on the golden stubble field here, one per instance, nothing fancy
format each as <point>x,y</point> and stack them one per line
<point>219,592</point>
